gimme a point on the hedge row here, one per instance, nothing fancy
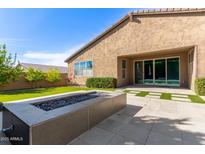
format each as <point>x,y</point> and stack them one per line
<point>200,86</point>
<point>101,82</point>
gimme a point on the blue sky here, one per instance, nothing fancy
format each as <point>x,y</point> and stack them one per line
<point>49,36</point>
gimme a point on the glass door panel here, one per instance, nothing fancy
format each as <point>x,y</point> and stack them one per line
<point>160,72</point>
<point>173,71</point>
<point>139,72</point>
<point>148,72</point>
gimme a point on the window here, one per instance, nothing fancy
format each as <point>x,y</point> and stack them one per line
<point>191,57</point>
<point>84,68</point>
<point>191,60</point>
<point>124,67</point>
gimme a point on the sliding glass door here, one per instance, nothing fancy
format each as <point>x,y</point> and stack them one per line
<point>148,72</point>
<point>160,71</point>
<point>139,72</point>
<point>173,71</point>
<point>164,72</point>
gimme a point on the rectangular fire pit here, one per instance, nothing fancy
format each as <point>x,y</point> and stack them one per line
<point>58,119</point>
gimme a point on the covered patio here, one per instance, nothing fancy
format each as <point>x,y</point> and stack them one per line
<point>163,68</point>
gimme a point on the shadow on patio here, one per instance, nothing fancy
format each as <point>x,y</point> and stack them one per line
<point>127,127</point>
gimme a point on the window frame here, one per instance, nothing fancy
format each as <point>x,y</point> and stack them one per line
<point>169,57</point>
<point>83,69</point>
<point>124,69</point>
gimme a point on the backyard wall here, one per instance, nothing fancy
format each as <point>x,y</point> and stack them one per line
<point>21,83</point>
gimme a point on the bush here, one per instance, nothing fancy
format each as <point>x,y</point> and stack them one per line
<point>33,75</point>
<point>200,86</point>
<point>53,75</point>
<point>100,82</point>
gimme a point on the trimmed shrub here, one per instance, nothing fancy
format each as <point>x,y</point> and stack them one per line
<point>200,86</point>
<point>101,82</point>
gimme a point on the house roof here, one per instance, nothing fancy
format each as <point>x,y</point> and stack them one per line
<point>147,12</point>
<point>43,68</point>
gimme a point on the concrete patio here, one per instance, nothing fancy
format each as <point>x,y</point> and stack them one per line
<point>148,121</point>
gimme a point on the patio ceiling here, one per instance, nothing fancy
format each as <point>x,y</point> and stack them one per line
<point>163,52</point>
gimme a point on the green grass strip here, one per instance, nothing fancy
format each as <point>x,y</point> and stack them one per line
<point>196,99</point>
<point>39,92</point>
<point>127,91</point>
<point>166,96</point>
<point>142,94</point>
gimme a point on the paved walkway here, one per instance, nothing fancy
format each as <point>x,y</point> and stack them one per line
<point>171,96</point>
<point>150,121</point>
<point>176,94</point>
<point>160,89</point>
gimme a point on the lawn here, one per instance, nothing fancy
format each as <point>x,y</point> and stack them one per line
<point>166,96</point>
<point>32,93</point>
<point>142,94</point>
<point>196,99</point>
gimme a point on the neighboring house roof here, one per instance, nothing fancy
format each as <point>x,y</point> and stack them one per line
<point>139,13</point>
<point>43,68</point>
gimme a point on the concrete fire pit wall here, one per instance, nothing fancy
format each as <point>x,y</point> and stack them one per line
<point>100,111</point>
<point>65,128</point>
<point>60,130</point>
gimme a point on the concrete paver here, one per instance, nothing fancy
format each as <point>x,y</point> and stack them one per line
<point>119,140</point>
<point>161,139</point>
<point>157,122</point>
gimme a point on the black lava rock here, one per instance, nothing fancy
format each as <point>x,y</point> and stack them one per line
<point>57,103</point>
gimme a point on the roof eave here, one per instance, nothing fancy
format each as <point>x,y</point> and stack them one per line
<point>168,11</point>
<point>138,13</point>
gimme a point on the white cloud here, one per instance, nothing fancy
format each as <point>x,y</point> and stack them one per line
<point>48,58</point>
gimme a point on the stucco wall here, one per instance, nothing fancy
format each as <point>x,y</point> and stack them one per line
<point>145,34</point>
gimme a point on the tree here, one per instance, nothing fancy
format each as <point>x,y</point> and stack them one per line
<point>53,75</point>
<point>8,70</point>
<point>34,76</point>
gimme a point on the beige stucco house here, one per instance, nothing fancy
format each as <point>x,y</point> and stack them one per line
<point>163,47</point>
